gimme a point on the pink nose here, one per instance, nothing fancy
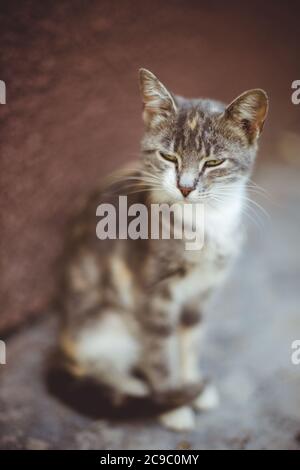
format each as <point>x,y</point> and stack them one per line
<point>185,190</point>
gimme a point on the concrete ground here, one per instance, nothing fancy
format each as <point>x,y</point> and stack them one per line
<point>247,352</point>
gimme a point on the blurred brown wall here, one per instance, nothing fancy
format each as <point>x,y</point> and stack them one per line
<point>73,109</point>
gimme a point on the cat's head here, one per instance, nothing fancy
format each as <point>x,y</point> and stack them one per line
<point>195,149</point>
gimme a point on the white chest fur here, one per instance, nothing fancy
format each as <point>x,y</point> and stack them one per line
<point>209,265</point>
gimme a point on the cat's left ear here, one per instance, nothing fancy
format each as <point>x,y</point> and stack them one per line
<point>158,103</point>
<point>249,111</point>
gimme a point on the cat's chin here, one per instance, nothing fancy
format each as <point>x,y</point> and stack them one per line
<point>164,197</point>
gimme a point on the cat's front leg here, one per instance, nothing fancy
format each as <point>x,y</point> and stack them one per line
<point>190,336</point>
<point>161,362</point>
<point>162,368</point>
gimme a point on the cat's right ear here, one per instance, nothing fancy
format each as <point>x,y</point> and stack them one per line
<point>249,112</point>
<point>158,103</point>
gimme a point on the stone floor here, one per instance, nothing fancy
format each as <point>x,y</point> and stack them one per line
<point>247,351</point>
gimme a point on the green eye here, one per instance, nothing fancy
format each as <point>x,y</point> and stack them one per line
<point>169,157</point>
<point>211,163</point>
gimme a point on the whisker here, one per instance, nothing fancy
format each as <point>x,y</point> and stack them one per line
<point>253,216</point>
<point>245,198</point>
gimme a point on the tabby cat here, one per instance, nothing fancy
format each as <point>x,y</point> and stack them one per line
<point>132,308</point>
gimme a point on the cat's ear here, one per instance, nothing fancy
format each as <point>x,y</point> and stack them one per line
<point>158,103</point>
<point>249,111</point>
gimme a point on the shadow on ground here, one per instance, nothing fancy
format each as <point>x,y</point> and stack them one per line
<point>86,396</point>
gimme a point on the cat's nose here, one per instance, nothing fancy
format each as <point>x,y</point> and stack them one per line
<point>185,190</point>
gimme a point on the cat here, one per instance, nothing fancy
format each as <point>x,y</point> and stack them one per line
<point>132,309</point>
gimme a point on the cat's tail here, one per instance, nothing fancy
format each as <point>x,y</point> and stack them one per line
<point>91,398</point>
<point>111,396</point>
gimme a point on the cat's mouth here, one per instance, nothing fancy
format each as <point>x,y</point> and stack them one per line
<point>176,195</point>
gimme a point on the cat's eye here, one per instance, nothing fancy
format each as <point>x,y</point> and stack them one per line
<point>215,162</point>
<point>168,156</point>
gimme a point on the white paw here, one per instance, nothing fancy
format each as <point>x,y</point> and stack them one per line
<point>208,399</point>
<point>181,419</point>
<point>128,386</point>
<point>134,387</point>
